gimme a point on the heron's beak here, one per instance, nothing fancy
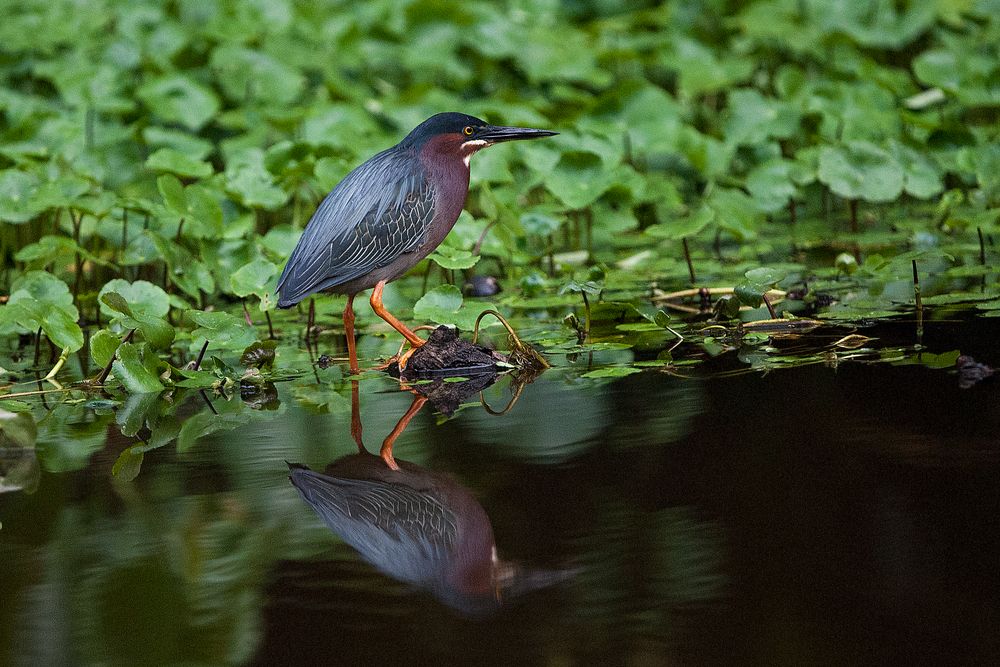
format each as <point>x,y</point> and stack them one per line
<point>495,133</point>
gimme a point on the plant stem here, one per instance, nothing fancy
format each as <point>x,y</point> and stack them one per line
<point>201,355</point>
<point>270,328</point>
<point>78,265</point>
<point>63,356</point>
<point>687,258</point>
<point>852,207</point>
<point>38,345</point>
<point>586,313</point>
<point>919,303</point>
<point>770,308</point>
<point>482,237</point>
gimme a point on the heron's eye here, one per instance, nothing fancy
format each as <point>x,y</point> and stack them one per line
<point>468,131</point>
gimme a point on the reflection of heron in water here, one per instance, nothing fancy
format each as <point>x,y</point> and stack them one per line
<point>415,525</point>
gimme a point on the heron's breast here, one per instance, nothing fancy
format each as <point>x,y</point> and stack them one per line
<point>449,176</point>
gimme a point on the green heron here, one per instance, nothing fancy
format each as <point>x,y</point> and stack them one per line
<point>388,214</point>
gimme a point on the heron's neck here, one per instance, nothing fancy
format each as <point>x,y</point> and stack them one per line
<point>448,172</point>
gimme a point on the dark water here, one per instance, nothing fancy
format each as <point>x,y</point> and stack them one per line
<point>814,515</point>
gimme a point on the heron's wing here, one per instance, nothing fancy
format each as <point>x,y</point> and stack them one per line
<point>380,211</point>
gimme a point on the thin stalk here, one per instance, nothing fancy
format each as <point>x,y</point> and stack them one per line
<point>919,303</point>
<point>78,262</point>
<point>201,355</point>
<point>38,346</point>
<point>852,207</point>
<point>246,313</point>
<point>270,328</point>
<point>208,401</point>
<point>482,237</point>
<point>687,258</point>
<point>770,308</point>
<point>311,319</point>
<point>586,313</point>
<point>63,356</point>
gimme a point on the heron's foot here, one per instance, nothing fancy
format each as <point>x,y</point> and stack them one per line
<point>405,356</point>
<point>390,461</point>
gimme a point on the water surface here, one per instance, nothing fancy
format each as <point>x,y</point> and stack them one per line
<point>819,514</point>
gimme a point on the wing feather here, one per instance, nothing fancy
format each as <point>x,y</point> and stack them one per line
<point>380,211</point>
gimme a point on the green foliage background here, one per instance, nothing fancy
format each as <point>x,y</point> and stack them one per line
<point>170,152</point>
<point>158,160</point>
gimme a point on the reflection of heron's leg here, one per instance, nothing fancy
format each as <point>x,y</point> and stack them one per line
<point>352,352</point>
<point>386,452</point>
<point>356,415</point>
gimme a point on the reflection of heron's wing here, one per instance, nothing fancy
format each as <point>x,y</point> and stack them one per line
<point>404,532</point>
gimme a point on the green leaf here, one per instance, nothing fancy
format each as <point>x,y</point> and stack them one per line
<point>116,302</point>
<point>579,179</point>
<point>682,227</point>
<point>861,170</point>
<point>734,212</point>
<point>128,464</point>
<point>921,177</point>
<point>753,118</point>
<point>134,298</point>
<point>102,347</point>
<point>177,98</point>
<point>130,371</point>
<point>155,330</point>
<point>577,287</point>
<point>771,186</point>
<point>40,300</point>
<point>612,372</point>
<point>260,354</point>
<point>253,74</point>
<point>17,194</point>
<point>537,223</point>
<point>758,282</point>
<point>221,330</point>
<point>49,249</point>
<point>251,183</point>
<point>173,161</point>
<point>253,278</point>
<point>439,304</point>
<point>46,288</point>
<point>453,258</point>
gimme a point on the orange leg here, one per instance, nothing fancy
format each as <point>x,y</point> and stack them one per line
<point>352,352</point>
<point>386,451</point>
<point>356,415</point>
<point>380,310</point>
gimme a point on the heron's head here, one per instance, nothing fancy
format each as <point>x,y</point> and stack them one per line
<point>462,135</point>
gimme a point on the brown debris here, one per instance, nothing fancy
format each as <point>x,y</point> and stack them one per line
<point>446,354</point>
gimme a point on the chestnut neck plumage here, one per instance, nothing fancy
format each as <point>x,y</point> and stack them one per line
<point>445,158</point>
